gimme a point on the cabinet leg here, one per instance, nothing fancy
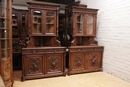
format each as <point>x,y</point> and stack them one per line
<point>22,79</point>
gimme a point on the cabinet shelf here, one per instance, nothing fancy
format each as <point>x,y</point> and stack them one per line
<point>50,23</point>
<point>4,38</point>
<point>4,28</point>
<point>49,17</point>
<point>3,49</point>
<point>4,18</point>
<point>80,22</point>
<point>37,23</point>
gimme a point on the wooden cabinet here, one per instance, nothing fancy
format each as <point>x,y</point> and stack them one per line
<point>81,24</point>
<point>84,53</point>
<point>46,26</point>
<point>6,42</point>
<point>19,35</point>
<point>43,24</point>
<point>43,62</point>
<point>85,59</point>
<point>43,57</point>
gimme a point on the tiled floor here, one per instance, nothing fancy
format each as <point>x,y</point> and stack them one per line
<point>95,79</point>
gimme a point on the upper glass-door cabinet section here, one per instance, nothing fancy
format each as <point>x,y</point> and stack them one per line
<point>37,24</point>
<point>80,21</point>
<point>50,23</point>
<point>4,29</point>
<point>90,25</point>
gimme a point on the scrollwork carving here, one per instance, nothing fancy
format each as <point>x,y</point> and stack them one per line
<point>93,60</point>
<point>77,61</point>
<point>54,64</point>
<point>34,65</point>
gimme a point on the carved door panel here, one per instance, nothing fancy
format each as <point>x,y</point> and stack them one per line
<point>77,61</point>
<point>54,63</point>
<point>33,64</point>
<point>94,60</point>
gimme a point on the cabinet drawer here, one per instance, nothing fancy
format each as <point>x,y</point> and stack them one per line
<point>85,49</point>
<point>42,51</point>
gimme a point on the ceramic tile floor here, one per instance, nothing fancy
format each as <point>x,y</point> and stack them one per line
<point>95,79</point>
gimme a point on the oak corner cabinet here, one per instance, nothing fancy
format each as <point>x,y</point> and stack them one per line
<point>6,71</point>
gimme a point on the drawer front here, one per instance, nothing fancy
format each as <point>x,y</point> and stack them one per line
<point>42,51</point>
<point>85,49</point>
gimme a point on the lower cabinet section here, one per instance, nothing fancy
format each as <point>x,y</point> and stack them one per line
<point>43,62</point>
<point>85,59</point>
<point>48,62</point>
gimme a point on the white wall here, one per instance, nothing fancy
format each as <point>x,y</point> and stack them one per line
<point>113,32</point>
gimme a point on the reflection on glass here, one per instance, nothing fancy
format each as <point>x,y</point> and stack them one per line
<point>90,24</point>
<point>37,21</point>
<point>80,23</point>
<point>50,22</point>
<point>4,33</point>
<point>4,23</point>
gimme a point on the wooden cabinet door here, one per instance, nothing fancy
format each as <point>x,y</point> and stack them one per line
<point>77,61</point>
<point>90,25</point>
<point>36,22</point>
<point>54,63</point>
<point>50,23</point>
<point>33,64</point>
<point>94,60</point>
<point>23,23</point>
<point>79,24</point>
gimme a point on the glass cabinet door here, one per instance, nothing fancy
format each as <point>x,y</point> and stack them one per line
<point>50,22</point>
<point>90,25</point>
<point>37,17</point>
<point>79,24</point>
<point>4,29</point>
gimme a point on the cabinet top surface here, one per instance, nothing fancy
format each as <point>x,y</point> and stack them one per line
<point>42,3</point>
<point>44,48</point>
<point>85,46</point>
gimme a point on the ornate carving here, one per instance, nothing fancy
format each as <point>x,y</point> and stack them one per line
<point>93,60</point>
<point>43,7</point>
<point>34,65</point>
<point>7,68</point>
<point>77,61</point>
<point>54,63</point>
<point>84,10</point>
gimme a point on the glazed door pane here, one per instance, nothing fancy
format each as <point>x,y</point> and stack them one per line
<point>80,21</point>
<point>90,24</point>
<point>4,23</point>
<point>37,17</point>
<point>50,25</point>
<point>4,29</point>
